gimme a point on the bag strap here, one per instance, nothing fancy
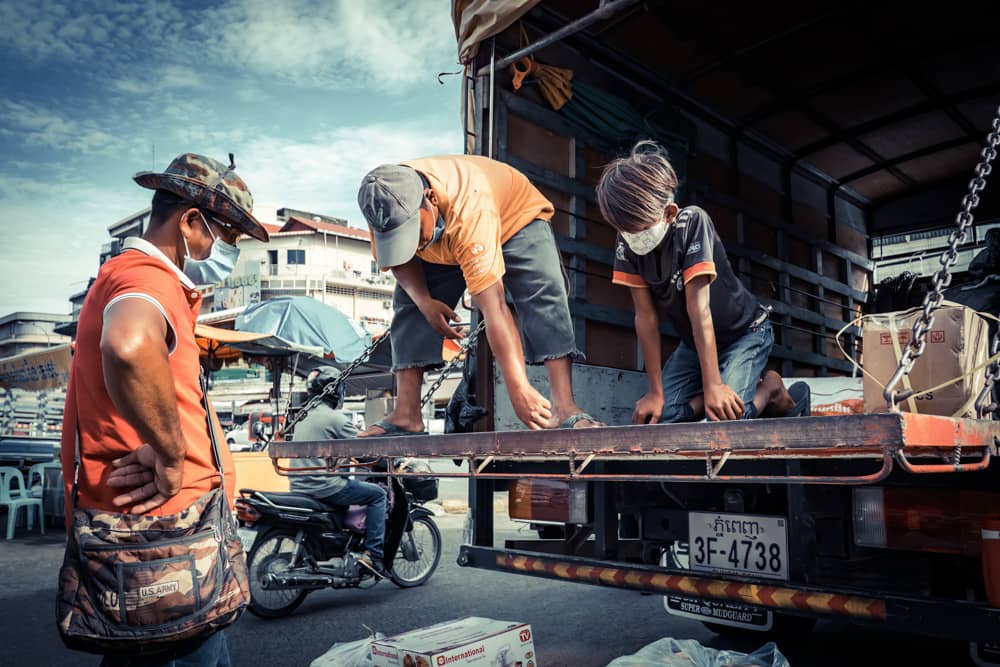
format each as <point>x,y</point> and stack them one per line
<point>216,454</point>
<point>76,464</point>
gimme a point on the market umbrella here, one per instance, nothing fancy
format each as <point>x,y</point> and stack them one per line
<point>304,321</point>
<point>273,351</point>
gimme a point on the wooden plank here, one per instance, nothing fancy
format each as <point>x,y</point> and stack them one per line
<point>715,195</point>
<point>780,437</point>
<point>811,358</point>
<point>808,316</point>
<point>578,232</point>
<point>606,256</point>
<point>796,271</point>
<point>553,121</point>
<point>819,345</point>
<point>551,179</point>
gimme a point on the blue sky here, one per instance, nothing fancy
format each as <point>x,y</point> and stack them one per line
<point>308,95</point>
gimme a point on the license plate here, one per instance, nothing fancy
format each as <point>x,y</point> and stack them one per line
<point>738,544</point>
<point>247,536</point>
<point>721,612</point>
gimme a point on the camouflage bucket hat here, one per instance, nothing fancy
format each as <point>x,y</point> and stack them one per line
<point>208,184</point>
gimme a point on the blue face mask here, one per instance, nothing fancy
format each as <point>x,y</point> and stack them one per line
<point>217,266</point>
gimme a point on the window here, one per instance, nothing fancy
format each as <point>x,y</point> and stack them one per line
<point>374,267</point>
<point>296,256</point>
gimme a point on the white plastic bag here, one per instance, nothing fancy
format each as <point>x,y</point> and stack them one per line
<point>348,654</point>
<point>671,652</point>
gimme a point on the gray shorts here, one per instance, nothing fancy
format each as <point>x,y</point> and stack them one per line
<point>535,287</point>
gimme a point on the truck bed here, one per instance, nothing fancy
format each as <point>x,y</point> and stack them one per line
<point>915,443</point>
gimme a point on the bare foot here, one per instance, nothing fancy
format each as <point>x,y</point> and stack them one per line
<point>779,401</point>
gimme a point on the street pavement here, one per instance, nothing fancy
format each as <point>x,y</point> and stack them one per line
<point>573,624</point>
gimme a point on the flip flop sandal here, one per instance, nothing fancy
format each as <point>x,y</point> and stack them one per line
<point>579,417</point>
<point>390,430</point>
<point>800,393</point>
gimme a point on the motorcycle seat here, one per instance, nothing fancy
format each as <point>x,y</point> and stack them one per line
<point>295,500</point>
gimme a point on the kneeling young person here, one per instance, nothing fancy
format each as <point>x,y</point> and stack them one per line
<point>676,267</point>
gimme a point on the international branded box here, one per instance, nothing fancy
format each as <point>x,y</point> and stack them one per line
<point>957,347</point>
<point>483,642</point>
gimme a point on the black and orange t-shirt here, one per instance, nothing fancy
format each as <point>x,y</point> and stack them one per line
<point>140,272</point>
<point>690,249</point>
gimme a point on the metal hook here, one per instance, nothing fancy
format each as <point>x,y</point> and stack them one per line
<point>442,74</point>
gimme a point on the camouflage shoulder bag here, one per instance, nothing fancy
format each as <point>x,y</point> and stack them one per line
<point>138,584</point>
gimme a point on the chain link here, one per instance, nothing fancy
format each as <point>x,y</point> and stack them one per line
<point>446,371</point>
<point>365,356</point>
<point>332,387</point>
<point>984,406</point>
<point>942,278</point>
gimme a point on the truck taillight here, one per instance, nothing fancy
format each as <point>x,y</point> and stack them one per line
<point>869,517</point>
<point>910,519</point>
<point>246,512</point>
<point>546,500</point>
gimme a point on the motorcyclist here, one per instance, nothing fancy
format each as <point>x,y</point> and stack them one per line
<point>327,421</point>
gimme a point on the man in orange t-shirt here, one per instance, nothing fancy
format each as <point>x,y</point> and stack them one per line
<point>455,222</point>
<point>134,398</point>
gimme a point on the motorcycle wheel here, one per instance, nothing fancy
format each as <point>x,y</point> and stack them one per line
<point>418,555</point>
<point>273,553</point>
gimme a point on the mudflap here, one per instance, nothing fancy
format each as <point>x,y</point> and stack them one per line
<point>720,612</point>
<point>984,654</point>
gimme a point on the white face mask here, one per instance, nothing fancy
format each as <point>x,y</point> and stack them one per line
<point>644,242</point>
<point>217,266</point>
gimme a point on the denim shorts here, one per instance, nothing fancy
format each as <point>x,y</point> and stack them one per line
<point>535,287</point>
<point>741,365</point>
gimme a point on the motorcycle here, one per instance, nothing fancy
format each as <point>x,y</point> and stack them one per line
<point>297,544</point>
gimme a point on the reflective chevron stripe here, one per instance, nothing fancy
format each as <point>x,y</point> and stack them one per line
<point>778,597</point>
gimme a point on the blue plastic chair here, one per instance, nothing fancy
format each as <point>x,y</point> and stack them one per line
<point>15,499</point>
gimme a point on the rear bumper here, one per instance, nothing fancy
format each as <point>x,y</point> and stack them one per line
<point>950,619</point>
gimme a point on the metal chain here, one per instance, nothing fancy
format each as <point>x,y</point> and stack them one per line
<point>942,278</point>
<point>446,371</point>
<point>364,357</point>
<point>984,408</point>
<point>332,387</point>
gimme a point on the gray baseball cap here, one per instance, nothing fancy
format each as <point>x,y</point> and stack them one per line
<point>390,197</point>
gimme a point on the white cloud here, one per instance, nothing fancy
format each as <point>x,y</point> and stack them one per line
<point>175,76</point>
<point>55,226</point>
<point>41,125</point>
<point>142,72</point>
<point>323,173</point>
<point>53,230</point>
<point>171,77</point>
<point>387,46</point>
<point>86,30</point>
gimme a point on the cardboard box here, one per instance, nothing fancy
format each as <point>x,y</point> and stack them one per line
<point>833,396</point>
<point>957,344</point>
<point>483,642</point>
